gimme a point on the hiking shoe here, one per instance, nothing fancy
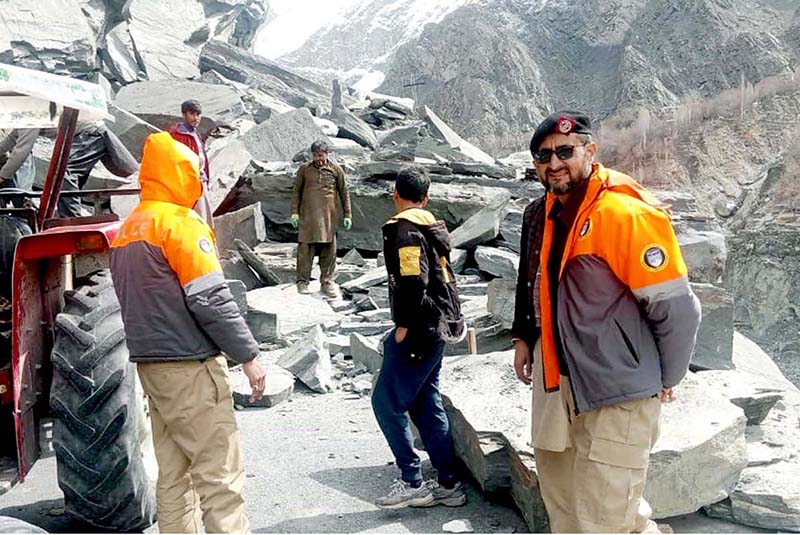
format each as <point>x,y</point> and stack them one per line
<point>302,287</point>
<point>454,497</point>
<point>402,494</point>
<point>330,289</point>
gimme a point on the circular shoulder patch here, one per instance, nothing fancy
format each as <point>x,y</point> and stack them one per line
<point>205,245</point>
<point>654,258</point>
<point>586,229</point>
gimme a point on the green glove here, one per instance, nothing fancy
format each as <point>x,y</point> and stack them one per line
<point>295,220</point>
<point>348,223</point>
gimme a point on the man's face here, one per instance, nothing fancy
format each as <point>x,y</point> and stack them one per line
<point>192,118</point>
<point>319,158</point>
<point>561,175</point>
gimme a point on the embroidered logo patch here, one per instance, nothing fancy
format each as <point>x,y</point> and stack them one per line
<point>205,245</point>
<point>586,229</point>
<point>654,258</point>
<point>565,125</point>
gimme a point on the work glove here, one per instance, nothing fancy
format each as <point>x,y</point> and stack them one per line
<point>295,220</point>
<point>348,223</point>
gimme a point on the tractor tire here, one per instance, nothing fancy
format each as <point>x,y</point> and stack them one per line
<point>98,413</point>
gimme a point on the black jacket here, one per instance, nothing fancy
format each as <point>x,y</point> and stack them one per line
<point>526,306</point>
<point>422,284</point>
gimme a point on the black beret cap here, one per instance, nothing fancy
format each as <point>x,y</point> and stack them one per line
<point>562,122</point>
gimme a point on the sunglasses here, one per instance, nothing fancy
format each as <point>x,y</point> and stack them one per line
<point>562,152</point>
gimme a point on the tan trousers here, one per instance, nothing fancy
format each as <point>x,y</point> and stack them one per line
<point>196,440</point>
<point>595,485</point>
<point>327,260</point>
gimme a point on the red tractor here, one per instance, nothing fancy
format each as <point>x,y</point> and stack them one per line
<point>62,347</point>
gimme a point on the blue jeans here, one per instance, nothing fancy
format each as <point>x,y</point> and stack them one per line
<point>407,384</point>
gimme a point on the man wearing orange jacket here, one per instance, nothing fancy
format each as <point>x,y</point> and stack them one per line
<point>181,322</point>
<point>618,327</point>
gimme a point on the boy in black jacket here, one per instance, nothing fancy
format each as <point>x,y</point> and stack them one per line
<point>427,313</point>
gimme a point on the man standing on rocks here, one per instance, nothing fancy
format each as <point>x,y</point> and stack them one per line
<point>618,326</point>
<point>315,215</point>
<point>181,322</point>
<point>187,133</point>
<point>427,313</point>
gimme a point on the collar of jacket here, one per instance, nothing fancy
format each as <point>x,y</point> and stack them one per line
<point>601,180</point>
<point>418,216</point>
<point>184,128</point>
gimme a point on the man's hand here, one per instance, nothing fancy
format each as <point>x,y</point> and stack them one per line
<point>400,334</point>
<point>255,373</point>
<point>667,395</point>
<point>295,220</point>
<point>348,223</point>
<point>522,361</point>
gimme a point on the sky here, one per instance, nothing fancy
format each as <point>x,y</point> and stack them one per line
<point>296,21</point>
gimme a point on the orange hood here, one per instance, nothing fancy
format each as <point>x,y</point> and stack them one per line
<point>170,171</point>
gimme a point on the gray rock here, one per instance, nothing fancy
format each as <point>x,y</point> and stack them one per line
<point>714,347</point>
<point>119,55</point>
<point>239,291</point>
<point>339,344</point>
<point>365,328</point>
<point>165,36</point>
<point>458,526</point>
<point>354,258</point>
<point>379,315</point>
<point>328,127</point>
<point>511,226</point>
<point>309,360</point>
<point>443,130</point>
<point>473,289</point>
<point>698,464</point>
<point>226,164</point>
<point>366,352</point>
<point>501,294</point>
<point>282,136</point>
<point>278,387</point>
<point>236,268</point>
<point>490,337</point>
<point>458,260</point>
<point>131,130</point>
<point>497,262</point>
<point>263,75</point>
<point>482,226</point>
<point>265,326</point>
<point>372,278</point>
<point>379,296</point>
<point>256,263</point>
<point>705,253</point>
<point>347,272</point>
<point>245,225</point>
<point>351,127</point>
<point>66,47</point>
<point>240,23</point>
<point>297,312</point>
<point>159,102</point>
<point>482,169</point>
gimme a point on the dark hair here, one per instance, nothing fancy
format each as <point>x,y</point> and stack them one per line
<point>319,146</point>
<point>191,105</point>
<point>412,184</point>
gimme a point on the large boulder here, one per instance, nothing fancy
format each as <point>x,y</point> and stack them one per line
<point>351,127</point>
<point>695,462</point>
<point>704,252</point>
<point>47,35</point>
<point>130,129</point>
<point>481,227</point>
<point>159,102</point>
<point>283,136</point>
<point>714,347</point>
<point>167,36</point>
<point>119,56</point>
<point>263,75</point>
<point>226,163</point>
<point>246,224</point>
<point>497,262</point>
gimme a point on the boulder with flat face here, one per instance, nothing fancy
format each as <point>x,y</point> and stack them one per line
<point>283,136</point>
<point>497,262</point>
<point>309,360</point>
<point>482,226</point>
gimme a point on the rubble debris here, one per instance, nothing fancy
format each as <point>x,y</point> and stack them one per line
<point>244,226</point>
<point>366,352</point>
<point>497,262</point>
<point>234,267</point>
<point>482,226</point>
<point>353,258</point>
<point>279,386</point>
<point>297,312</point>
<point>309,360</point>
<point>282,136</point>
<point>265,326</point>
<point>260,267</point>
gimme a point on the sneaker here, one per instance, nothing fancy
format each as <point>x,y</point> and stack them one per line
<point>302,287</point>
<point>401,495</point>
<point>330,289</point>
<point>454,497</point>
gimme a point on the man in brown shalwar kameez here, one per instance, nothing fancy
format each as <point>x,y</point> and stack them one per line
<point>315,215</point>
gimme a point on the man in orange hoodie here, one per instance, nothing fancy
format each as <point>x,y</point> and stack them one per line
<point>618,327</point>
<point>181,322</point>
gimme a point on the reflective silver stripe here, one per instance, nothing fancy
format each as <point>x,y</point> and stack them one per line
<point>663,290</point>
<point>204,282</point>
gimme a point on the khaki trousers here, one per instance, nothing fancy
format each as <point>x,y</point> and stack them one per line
<point>196,441</point>
<point>595,484</point>
<point>327,260</point>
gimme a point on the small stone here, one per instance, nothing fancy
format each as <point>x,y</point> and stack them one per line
<point>354,258</point>
<point>458,526</point>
